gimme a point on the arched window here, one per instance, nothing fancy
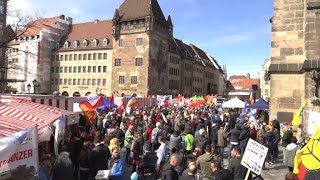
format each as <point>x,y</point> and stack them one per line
<point>85,43</point>
<point>105,42</point>
<point>95,42</point>
<point>76,94</point>
<point>75,44</point>
<point>65,93</point>
<point>57,45</point>
<point>66,44</point>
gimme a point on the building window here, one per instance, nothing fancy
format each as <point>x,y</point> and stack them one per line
<point>80,57</point>
<point>267,82</point>
<point>75,44</point>
<point>84,82</point>
<point>94,82</point>
<point>266,92</point>
<point>70,57</point>
<point>57,57</point>
<point>99,69</point>
<point>57,70</point>
<point>104,69</point>
<point>94,56</point>
<point>65,81</point>
<point>84,69</point>
<point>120,42</point>
<point>89,69</point>
<point>138,61</point>
<point>117,62</point>
<point>139,42</point>
<point>105,42</point>
<point>75,57</point>
<point>56,81</point>
<point>121,79</point>
<point>105,56</point>
<point>94,69</point>
<point>75,69</point>
<point>69,81</point>
<point>74,82</point>
<point>85,43</point>
<point>134,80</point>
<point>79,82</point>
<point>85,57</point>
<point>99,56</point>
<point>94,42</point>
<point>52,69</point>
<point>99,82</point>
<point>79,69</point>
<point>60,81</point>
<point>104,82</point>
<point>89,82</point>
<point>70,69</point>
<point>66,57</point>
<point>66,44</point>
<point>89,56</point>
<point>61,58</point>
<point>61,69</point>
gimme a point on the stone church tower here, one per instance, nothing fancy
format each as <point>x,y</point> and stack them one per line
<point>140,53</point>
<point>295,55</point>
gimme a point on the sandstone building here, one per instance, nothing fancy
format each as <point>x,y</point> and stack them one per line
<point>295,54</point>
<point>135,52</point>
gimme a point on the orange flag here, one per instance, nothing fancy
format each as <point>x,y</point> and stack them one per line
<point>88,111</point>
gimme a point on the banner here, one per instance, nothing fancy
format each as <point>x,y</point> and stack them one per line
<point>88,111</point>
<point>254,156</point>
<point>19,155</point>
<point>163,98</point>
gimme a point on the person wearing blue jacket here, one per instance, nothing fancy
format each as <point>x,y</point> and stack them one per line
<point>116,165</point>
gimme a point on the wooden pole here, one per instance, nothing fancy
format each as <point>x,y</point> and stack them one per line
<point>247,175</point>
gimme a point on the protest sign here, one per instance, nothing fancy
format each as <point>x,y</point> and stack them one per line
<point>19,155</point>
<point>313,122</point>
<point>254,156</point>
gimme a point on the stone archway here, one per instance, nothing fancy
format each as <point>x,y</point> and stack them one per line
<point>64,93</point>
<point>76,94</point>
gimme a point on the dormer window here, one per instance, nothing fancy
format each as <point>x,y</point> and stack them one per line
<point>95,42</point>
<point>85,43</point>
<point>66,44</point>
<point>75,44</point>
<point>57,45</point>
<point>105,42</point>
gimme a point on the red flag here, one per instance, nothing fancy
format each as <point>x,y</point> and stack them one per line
<point>98,102</point>
<point>111,101</point>
<point>88,111</point>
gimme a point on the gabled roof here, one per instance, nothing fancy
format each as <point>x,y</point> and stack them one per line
<point>89,31</point>
<point>34,27</point>
<point>182,48</point>
<point>247,83</point>
<point>202,55</point>
<point>237,77</point>
<point>139,9</point>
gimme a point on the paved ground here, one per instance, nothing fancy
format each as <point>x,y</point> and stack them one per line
<point>277,171</point>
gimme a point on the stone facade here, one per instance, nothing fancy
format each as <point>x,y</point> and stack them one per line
<point>294,54</point>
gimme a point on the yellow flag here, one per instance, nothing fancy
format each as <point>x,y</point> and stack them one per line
<point>297,115</point>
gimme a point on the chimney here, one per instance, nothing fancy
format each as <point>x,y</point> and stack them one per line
<point>62,16</point>
<point>96,20</point>
<point>248,75</point>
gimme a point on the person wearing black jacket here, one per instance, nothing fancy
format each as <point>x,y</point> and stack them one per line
<point>214,133</point>
<point>269,139</point>
<point>168,170</point>
<point>99,157</point>
<point>286,139</point>
<point>244,137</point>
<point>234,138</point>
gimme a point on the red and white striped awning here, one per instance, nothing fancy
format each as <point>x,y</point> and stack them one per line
<point>16,116</point>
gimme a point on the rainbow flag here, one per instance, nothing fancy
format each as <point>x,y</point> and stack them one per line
<point>251,98</point>
<point>132,101</point>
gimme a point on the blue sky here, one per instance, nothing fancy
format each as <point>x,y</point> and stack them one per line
<point>237,33</point>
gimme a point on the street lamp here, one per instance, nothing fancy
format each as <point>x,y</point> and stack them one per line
<point>36,86</point>
<point>29,87</point>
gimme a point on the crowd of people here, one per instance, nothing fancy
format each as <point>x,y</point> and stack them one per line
<point>188,143</point>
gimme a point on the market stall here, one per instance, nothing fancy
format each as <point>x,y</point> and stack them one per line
<point>233,103</point>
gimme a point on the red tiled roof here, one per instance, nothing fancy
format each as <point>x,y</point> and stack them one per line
<point>237,77</point>
<point>89,31</point>
<point>34,27</point>
<point>247,83</point>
